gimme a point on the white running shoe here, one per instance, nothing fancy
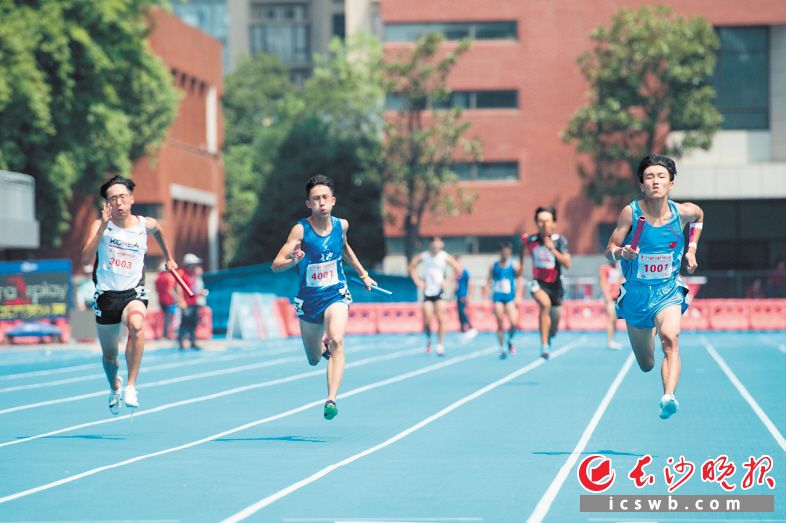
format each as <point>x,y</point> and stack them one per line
<point>470,334</point>
<point>440,350</point>
<point>668,406</point>
<point>130,397</point>
<point>613,345</point>
<point>114,397</point>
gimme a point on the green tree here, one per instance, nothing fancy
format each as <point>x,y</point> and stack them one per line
<point>419,149</point>
<point>258,113</point>
<point>308,150</point>
<point>649,74</point>
<point>81,95</point>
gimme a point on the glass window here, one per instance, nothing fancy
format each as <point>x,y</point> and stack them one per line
<point>452,30</point>
<point>487,171</point>
<point>288,42</point>
<point>460,99</point>
<point>339,25</point>
<point>496,99</point>
<point>741,77</point>
<point>495,31</point>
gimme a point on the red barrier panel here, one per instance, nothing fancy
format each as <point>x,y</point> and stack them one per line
<point>452,323</point>
<point>291,323</point>
<point>399,318</point>
<point>697,317</point>
<point>729,315</point>
<point>529,312</point>
<point>204,329</point>
<point>767,315</point>
<point>362,318</point>
<point>585,315</point>
<point>482,316</point>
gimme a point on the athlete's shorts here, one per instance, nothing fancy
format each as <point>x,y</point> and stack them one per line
<point>554,290</point>
<point>436,297</point>
<point>503,298</point>
<point>639,304</point>
<point>109,305</point>
<point>312,309</point>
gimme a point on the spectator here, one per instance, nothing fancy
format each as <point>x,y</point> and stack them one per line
<point>166,287</point>
<point>755,289</point>
<point>189,305</point>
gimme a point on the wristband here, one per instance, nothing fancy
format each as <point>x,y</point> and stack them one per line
<point>612,253</point>
<point>363,275</point>
<point>693,244</point>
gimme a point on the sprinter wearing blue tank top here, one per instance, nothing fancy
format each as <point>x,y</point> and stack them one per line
<point>505,293</point>
<point>318,246</point>
<point>653,297</point>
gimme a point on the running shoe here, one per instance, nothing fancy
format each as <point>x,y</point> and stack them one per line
<point>613,345</point>
<point>331,411</point>
<point>440,350</point>
<point>114,397</point>
<point>428,347</point>
<point>130,397</point>
<point>668,406</point>
<point>545,355</point>
<point>502,354</point>
<point>470,334</point>
<point>511,349</point>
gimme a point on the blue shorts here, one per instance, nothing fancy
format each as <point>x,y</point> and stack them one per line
<point>312,309</point>
<point>503,298</point>
<point>639,304</point>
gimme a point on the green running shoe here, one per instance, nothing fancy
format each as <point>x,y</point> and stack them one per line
<point>331,411</point>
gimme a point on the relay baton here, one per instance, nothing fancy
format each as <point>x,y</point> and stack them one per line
<point>373,287</point>
<point>180,281</point>
<point>637,233</point>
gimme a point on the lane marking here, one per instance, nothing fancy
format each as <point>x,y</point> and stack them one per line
<point>272,498</point>
<point>773,430</point>
<point>543,506</point>
<point>365,388</point>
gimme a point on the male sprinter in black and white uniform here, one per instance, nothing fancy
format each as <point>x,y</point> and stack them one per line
<point>116,245</point>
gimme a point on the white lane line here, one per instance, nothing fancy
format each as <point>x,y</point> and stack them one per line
<point>149,368</point>
<point>47,372</point>
<point>221,394</point>
<point>768,341</point>
<point>365,388</point>
<point>264,502</point>
<point>543,506</point>
<point>170,381</point>
<point>773,430</point>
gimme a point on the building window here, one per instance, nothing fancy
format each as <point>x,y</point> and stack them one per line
<point>290,42</point>
<point>452,31</point>
<point>339,25</point>
<point>492,99</point>
<point>482,171</point>
<point>741,77</point>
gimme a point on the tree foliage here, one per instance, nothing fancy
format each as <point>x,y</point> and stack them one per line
<point>420,146</point>
<point>649,74</point>
<point>81,95</point>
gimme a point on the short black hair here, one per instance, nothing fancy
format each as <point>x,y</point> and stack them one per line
<point>505,244</point>
<point>129,183</point>
<point>319,179</point>
<point>546,208</point>
<point>656,159</point>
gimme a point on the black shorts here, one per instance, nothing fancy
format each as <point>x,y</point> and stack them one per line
<point>109,305</point>
<point>436,297</point>
<point>555,290</point>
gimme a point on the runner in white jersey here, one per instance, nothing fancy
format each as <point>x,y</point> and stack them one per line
<point>435,263</point>
<point>116,245</point>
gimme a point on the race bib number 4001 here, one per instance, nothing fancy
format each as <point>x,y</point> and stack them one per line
<point>322,274</point>
<point>654,266</point>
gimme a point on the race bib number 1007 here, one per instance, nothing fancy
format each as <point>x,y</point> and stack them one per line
<point>654,266</point>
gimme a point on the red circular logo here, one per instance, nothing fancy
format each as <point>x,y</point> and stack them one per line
<point>593,478</point>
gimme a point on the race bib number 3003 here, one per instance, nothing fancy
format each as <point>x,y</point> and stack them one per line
<point>322,274</point>
<point>654,266</point>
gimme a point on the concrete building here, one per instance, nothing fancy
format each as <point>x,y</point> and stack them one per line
<point>520,84</point>
<point>293,30</point>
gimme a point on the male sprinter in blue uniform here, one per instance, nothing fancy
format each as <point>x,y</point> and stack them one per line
<point>653,296</point>
<point>318,245</point>
<point>505,294</point>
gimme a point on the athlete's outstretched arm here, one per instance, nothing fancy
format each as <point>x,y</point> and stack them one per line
<point>290,253</point>
<point>94,236</point>
<point>157,231</point>
<point>615,250</point>
<point>350,258</point>
<point>519,281</point>
<point>692,214</point>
